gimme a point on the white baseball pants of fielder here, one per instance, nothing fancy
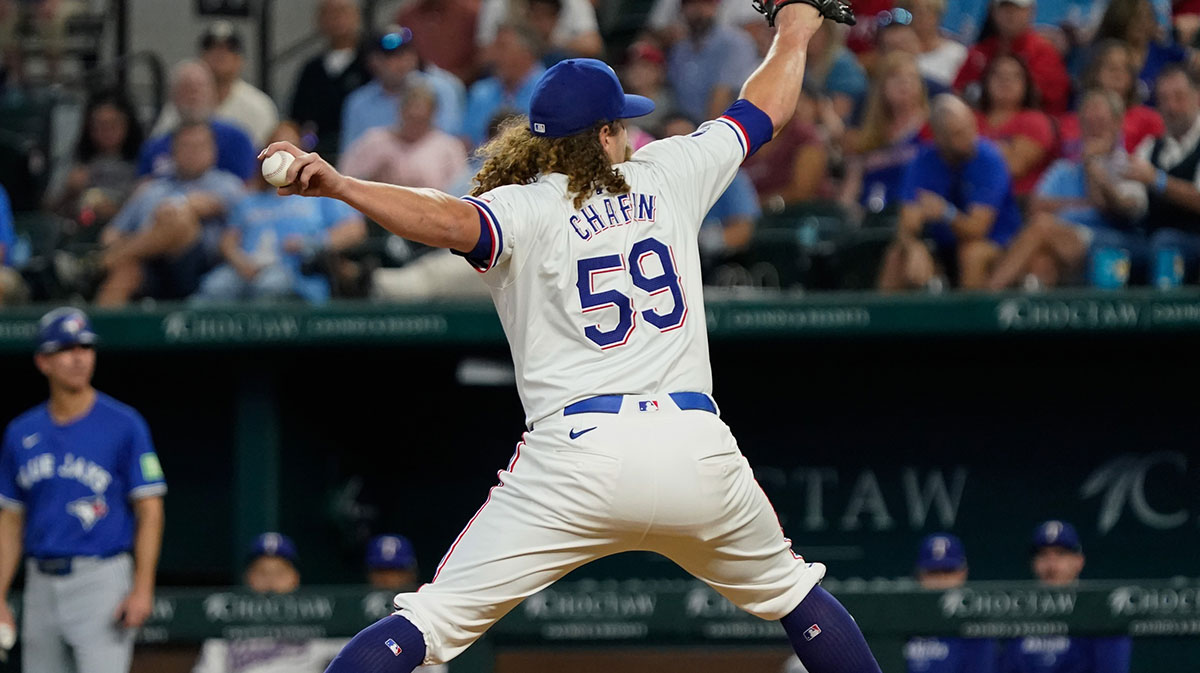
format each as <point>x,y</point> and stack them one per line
<point>68,622</point>
<point>662,480</point>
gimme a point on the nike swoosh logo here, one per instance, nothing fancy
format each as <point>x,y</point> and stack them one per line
<point>577,435</point>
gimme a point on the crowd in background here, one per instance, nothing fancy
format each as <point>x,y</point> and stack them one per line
<point>982,145</point>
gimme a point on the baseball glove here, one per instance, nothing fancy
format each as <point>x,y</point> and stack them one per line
<point>834,10</point>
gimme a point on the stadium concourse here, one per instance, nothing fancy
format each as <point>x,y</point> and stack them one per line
<point>951,306</point>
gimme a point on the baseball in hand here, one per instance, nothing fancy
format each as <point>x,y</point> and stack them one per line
<point>8,637</point>
<point>275,168</point>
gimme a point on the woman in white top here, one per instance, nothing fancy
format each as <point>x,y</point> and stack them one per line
<point>940,57</point>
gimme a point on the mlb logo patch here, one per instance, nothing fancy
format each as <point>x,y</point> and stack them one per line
<point>812,632</point>
<point>648,405</point>
<point>539,127</point>
<point>391,645</point>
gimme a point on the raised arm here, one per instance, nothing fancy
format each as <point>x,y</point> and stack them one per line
<point>422,215</point>
<point>774,87</point>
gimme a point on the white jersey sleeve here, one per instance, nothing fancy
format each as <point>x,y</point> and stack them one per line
<point>698,168</point>
<point>508,218</point>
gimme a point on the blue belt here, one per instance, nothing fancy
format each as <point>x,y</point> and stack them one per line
<point>63,565</point>
<point>611,404</point>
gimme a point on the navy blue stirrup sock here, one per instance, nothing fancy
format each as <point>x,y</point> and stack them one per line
<point>826,638</point>
<point>390,645</point>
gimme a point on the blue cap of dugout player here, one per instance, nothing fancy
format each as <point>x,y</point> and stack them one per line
<point>391,563</point>
<point>577,93</point>
<point>64,328</point>
<point>1056,534</point>
<point>274,544</point>
<point>941,552</point>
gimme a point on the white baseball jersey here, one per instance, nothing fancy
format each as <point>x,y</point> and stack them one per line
<point>607,298</point>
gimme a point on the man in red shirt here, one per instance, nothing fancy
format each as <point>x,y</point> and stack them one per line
<point>1013,22</point>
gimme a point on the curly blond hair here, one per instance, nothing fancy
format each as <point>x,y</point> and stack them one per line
<point>517,157</point>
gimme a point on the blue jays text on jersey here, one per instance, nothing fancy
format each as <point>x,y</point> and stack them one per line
<point>619,210</point>
<point>75,481</point>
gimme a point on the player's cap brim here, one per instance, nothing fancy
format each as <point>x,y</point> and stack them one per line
<point>81,339</point>
<point>636,106</point>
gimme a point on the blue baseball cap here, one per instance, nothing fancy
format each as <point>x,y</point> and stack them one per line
<point>274,544</point>
<point>575,94</point>
<point>941,552</point>
<point>1056,533</point>
<point>62,328</point>
<point>390,552</point>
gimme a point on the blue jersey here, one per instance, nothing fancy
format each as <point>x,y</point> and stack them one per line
<point>1060,654</point>
<point>76,482</point>
<point>950,655</point>
<point>982,180</point>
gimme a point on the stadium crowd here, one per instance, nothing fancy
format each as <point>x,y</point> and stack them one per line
<point>974,144</point>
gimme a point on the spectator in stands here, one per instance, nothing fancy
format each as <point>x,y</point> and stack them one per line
<point>1079,204</point>
<point>49,21</point>
<point>1009,116</point>
<point>894,125</point>
<point>391,563</point>
<point>193,94</point>
<point>1057,562</point>
<point>794,167</point>
<point>270,569</point>
<point>271,239</point>
<point>165,237</point>
<point>221,47</point>
<point>104,171</point>
<point>1010,31</point>
<point>898,34</point>
<point>411,152</point>
<point>940,58</point>
<point>958,194</point>
<point>517,69</point>
<point>1134,22</point>
<point>545,17</point>
<point>397,67</point>
<point>444,32</point>
<point>1112,69</point>
<point>237,101</point>
<point>573,31</point>
<point>328,78</point>
<point>666,20</point>
<point>834,72</point>
<point>1170,168</point>
<point>645,74</point>
<point>942,565</point>
<point>707,67</point>
<point>12,288</point>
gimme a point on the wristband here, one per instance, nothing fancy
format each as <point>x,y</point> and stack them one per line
<point>1160,181</point>
<point>950,212</point>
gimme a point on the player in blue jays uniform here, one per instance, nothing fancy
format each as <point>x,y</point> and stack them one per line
<point>942,565</point>
<point>81,493</point>
<point>1057,562</point>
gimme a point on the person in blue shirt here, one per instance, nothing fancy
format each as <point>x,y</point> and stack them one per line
<point>167,235</point>
<point>1057,562</point>
<point>11,286</point>
<point>708,66</point>
<point>396,65</point>
<point>957,205</point>
<point>942,565</point>
<point>193,93</point>
<point>1080,205</point>
<point>517,70</point>
<point>270,238</point>
<point>81,497</point>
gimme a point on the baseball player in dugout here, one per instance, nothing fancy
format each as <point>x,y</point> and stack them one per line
<point>942,565</point>
<point>81,496</point>
<point>1057,562</point>
<point>592,260</point>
